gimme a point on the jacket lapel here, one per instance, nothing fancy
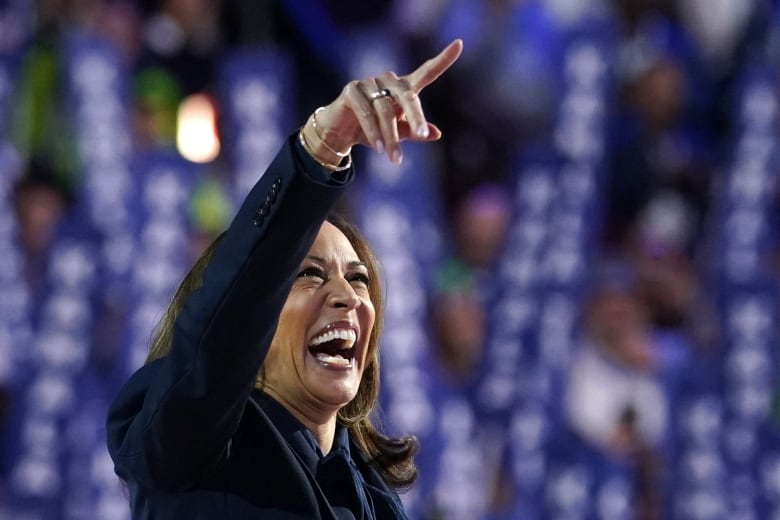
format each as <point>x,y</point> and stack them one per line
<point>292,467</point>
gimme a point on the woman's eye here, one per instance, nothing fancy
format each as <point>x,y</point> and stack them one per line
<point>358,278</point>
<point>311,272</point>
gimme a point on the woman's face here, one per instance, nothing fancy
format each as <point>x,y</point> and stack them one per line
<point>318,354</point>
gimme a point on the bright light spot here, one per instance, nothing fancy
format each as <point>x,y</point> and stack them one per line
<point>196,130</point>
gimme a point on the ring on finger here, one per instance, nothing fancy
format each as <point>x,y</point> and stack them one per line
<point>382,93</point>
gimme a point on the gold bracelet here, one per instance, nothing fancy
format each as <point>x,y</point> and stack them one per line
<point>333,167</point>
<point>319,136</point>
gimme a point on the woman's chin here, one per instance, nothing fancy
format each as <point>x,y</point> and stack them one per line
<point>334,393</point>
<point>335,384</point>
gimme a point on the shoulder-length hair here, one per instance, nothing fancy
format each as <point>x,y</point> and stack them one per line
<point>393,457</point>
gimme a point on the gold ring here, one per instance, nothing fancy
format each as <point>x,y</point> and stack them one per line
<point>379,94</point>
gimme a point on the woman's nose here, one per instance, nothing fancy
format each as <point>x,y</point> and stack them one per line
<point>343,295</point>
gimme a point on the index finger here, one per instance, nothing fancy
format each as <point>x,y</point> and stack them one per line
<point>434,67</point>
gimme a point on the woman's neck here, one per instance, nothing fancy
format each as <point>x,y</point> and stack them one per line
<point>323,434</point>
<point>321,423</point>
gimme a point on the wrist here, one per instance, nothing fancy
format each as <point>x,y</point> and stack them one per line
<point>322,156</point>
<point>332,140</point>
<point>315,144</point>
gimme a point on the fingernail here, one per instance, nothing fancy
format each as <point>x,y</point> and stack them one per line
<point>397,157</point>
<point>423,131</point>
<point>380,147</point>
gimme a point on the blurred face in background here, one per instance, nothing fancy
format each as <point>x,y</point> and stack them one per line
<point>460,328</point>
<point>481,224</point>
<point>39,209</point>
<point>660,94</point>
<point>616,319</point>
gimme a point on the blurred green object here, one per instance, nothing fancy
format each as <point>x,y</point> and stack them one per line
<point>454,277</point>
<point>39,127</point>
<point>157,96</point>
<point>210,207</point>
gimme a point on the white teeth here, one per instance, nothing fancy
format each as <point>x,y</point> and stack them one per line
<point>333,360</point>
<point>347,335</point>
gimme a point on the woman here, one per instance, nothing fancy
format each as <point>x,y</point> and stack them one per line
<point>256,397</point>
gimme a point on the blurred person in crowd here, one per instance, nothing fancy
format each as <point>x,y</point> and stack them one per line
<point>41,199</point>
<point>458,324</point>
<point>40,125</point>
<point>480,223</point>
<point>458,313</point>
<point>37,116</point>
<point>660,173</point>
<point>458,304</point>
<point>257,393</point>
<point>657,144</point>
<point>661,248</point>
<point>615,396</point>
<point>615,367</point>
<point>456,457</point>
<point>658,152</point>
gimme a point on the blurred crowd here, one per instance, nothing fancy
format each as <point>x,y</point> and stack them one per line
<point>598,248</point>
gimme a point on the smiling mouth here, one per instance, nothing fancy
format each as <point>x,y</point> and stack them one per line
<point>334,347</point>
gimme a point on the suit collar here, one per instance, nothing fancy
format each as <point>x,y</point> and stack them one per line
<point>304,447</point>
<point>291,429</point>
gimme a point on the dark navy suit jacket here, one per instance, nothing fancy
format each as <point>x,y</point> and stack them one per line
<point>185,432</point>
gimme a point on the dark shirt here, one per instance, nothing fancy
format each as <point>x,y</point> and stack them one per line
<point>336,472</point>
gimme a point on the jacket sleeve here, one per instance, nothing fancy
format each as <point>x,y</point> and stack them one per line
<point>171,422</point>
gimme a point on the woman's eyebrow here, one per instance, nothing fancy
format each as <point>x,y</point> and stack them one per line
<point>354,264</point>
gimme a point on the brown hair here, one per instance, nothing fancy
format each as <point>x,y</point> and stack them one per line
<point>392,457</point>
